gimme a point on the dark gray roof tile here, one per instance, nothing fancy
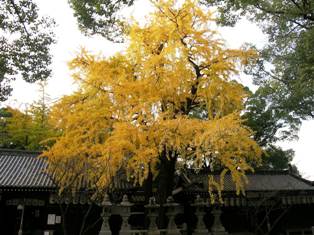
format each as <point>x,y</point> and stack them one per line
<point>260,181</point>
<point>23,169</point>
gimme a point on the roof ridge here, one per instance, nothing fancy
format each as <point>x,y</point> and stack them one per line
<point>20,151</point>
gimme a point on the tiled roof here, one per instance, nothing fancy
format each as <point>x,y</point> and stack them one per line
<point>23,169</point>
<point>261,181</point>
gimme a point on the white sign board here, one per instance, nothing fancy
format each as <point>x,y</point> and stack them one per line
<point>51,219</point>
<point>58,219</point>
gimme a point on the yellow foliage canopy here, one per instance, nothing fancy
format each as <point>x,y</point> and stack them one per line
<point>169,93</point>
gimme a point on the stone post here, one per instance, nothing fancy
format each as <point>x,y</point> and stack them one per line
<point>152,208</point>
<point>200,206</point>
<point>21,208</point>
<point>105,228</point>
<point>125,206</point>
<point>172,210</point>
<point>217,228</point>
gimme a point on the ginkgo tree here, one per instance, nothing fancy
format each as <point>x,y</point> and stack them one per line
<point>167,102</point>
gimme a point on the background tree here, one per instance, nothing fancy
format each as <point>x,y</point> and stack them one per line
<point>135,110</point>
<point>271,126</point>
<point>15,129</point>
<point>42,131</point>
<point>25,39</point>
<point>100,17</point>
<point>285,71</point>
<point>275,158</point>
<point>29,129</point>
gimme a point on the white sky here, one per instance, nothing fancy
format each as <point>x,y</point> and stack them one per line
<point>70,40</point>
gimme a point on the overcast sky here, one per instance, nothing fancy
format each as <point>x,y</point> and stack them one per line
<point>70,40</point>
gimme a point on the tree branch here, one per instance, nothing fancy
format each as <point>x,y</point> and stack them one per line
<point>19,16</point>
<point>297,5</point>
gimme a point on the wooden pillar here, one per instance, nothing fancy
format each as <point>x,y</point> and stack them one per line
<point>105,228</point>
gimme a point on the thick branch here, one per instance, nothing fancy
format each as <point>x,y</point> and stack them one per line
<point>19,16</point>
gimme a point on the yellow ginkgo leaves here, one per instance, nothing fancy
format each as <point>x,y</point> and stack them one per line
<point>170,94</point>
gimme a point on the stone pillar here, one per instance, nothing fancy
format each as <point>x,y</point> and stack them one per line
<point>125,210</point>
<point>172,210</point>
<point>152,209</point>
<point>105,228</point>
<point>217,228</point>
<point>21,208</point>
<point>200,206</point>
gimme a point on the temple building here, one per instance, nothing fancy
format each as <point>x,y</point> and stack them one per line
<point>275,202</point>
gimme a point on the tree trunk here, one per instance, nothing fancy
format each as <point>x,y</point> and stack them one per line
<point>86,214</point>
<point>63,218</point>
<point>165,181</point>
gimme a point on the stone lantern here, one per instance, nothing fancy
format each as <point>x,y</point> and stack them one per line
<point>125,212</point>
<point>106,204</point>
<point>200,206</point>
<point>152,208</point>
<point>172,211</point>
